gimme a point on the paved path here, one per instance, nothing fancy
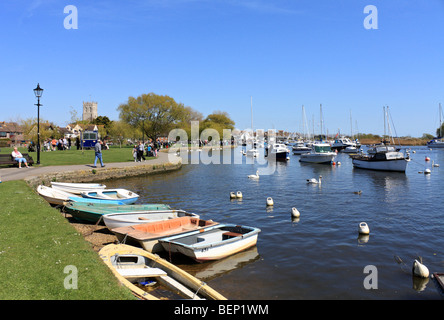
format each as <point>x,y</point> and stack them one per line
<point>14,173</point>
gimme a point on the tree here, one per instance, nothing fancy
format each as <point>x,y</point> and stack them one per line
<point>154,114</point>
<point>218,120</point>
<point>119,131</point>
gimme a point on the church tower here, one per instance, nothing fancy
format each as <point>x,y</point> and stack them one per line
<point>89,110</point>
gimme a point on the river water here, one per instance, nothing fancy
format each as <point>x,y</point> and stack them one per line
<point>320,255</point>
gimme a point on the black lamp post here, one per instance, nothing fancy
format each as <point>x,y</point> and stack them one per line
<point>38,93</point>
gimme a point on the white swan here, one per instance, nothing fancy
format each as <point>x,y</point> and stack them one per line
<point>254,176</point>
<point>420,270</point>
<point>314,181</point>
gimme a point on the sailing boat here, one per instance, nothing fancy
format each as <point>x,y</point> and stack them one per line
<point>437,142</point>
<point>253,152</point>
<point>382,157</point>
<point>300,147</point>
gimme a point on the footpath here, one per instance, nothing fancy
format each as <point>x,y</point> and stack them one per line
<point>164,161</point>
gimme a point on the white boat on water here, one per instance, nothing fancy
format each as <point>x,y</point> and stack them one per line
<point>278,151</point>
<point>437,142</point>
<point>341,143</point>
<point>320,153</point>
<point>300,148</point>
<point>54,196</point>
<point>382,158</point>
<point>118,195</point>
<point>213,243</point>
<point>76,188</point>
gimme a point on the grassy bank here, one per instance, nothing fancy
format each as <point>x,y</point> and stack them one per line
<point>73,156</point>
<point>37,243</point>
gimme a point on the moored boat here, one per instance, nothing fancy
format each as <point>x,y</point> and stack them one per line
<point>121,195</point>
<point>125,219</point>
<point>76,188</point>
<point>131,265</point>
<point>93,212</point>
<point>213,243</point>
<point>383,158</point>
<point>54,196</point>
<point>278,151</point>
<point>147,235</point>
<point>320,153</point>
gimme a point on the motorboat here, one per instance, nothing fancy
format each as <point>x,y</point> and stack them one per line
<point>135,267</point>
<point>343,142</point>
<point>212,243</point>
<point>383,158</point>
<point>278,151</point>
<point>300,148</point>
<point>320,153</point>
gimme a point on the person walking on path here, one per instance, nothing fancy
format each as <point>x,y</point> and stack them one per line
<point>19,158</point>
<point>98,153</point>
<point>140,152</point>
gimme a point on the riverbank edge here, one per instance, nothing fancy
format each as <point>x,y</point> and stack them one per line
<point>102,174</point>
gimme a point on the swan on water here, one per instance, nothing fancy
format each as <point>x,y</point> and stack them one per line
<point>295,213</point>
<point>363,228</point>
<point>254,176</point>
<point>419,269</point>
<point>314,181</point>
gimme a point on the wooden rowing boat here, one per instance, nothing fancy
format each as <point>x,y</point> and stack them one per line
<point>118,195</point>
<point>130,265</point>
<point>76,188</point>
<point>94,211</point>
<point>147,235</point>
<point>213,243</point>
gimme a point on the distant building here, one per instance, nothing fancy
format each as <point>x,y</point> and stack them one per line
<point>89,111</point>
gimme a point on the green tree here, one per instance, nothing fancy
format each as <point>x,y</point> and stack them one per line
<point>154,114</point>
<point>218,120</point>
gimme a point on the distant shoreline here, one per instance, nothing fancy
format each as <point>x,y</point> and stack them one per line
<point>401,141</point>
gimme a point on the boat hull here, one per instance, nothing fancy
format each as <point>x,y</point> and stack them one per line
<point>117,195</point>
<point>399,165</point>
<point>326,158</point>
<point>435,144</point>
<point>77,188</point>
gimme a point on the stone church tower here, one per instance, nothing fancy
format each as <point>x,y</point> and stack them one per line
<point>89,111</point>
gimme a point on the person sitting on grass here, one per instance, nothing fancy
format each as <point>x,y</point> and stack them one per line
<point>19,158</point>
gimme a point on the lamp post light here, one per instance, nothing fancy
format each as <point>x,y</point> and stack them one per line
<point>38,93</point>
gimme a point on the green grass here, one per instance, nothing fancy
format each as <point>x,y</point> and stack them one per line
<point>37,243</point>
<point>74,156</point>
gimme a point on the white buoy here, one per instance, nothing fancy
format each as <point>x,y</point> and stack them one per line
<point>254,176</point>
<point>295,213</point>
<point>420,270</point>
<point>314,181</point>
<point>232,195</point>
<point>427,171</point>
<point>239,194</point>
<point>270,201</point>
<point>363,228</point>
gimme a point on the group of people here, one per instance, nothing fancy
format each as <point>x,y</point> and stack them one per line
<point>139,150</point>
<point>56,144</point>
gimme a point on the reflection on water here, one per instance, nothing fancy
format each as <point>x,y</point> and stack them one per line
<point>320,255</point>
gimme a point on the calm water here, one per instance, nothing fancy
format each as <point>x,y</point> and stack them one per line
<point>320,255</point>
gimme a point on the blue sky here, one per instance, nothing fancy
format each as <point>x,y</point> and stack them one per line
<point>216,54</point>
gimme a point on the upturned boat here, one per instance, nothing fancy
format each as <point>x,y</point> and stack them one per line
<point>54,196</point>
<point>118,195</point>
<point>76,188</point>
<point>147,235</point>
<point>212,243</point>
<point>133,265</point>
<point>93,212</point>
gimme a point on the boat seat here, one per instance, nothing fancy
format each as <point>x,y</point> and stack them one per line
<point>141,272</point>
<point>232,234</point>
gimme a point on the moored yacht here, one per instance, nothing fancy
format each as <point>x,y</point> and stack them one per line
<point>342,143</point>
<point>383,158</point>
<point>277,150</point>
<point>300,148</point>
